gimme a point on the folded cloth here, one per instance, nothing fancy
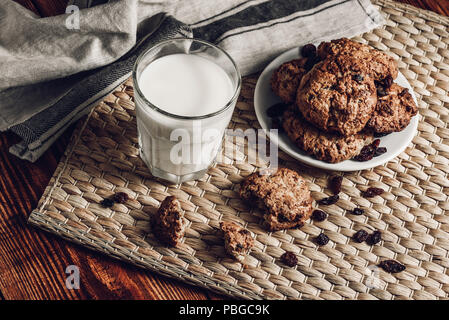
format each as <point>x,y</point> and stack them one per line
<point>53,73</point>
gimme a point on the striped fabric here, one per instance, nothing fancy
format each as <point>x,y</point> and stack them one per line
<point>253,32</point>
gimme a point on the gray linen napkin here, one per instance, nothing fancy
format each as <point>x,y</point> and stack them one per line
<point>51,75</point>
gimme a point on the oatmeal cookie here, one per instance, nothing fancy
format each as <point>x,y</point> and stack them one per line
<point>329,147</point>
<point>337,95</point>
<point>394,110</point>
<point>378,64</point>
<point>238,240</point>
<point>285,80</point>
<point>168,224</point>
<point>283,195</point>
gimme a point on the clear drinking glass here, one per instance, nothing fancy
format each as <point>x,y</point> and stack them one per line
<point>174,147</point>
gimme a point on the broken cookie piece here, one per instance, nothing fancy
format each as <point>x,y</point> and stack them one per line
<point>238,240</point>
<point>283,195</point>
<point>169,223</point>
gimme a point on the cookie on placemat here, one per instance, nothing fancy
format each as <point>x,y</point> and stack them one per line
<point>168,224</point>
<point>238,240</point>
<point>337,95</point>
<point>378,64</point>
<point>285,80</point>
<point>325,146</point>
<point>283,195</point>
<point>394,110</point>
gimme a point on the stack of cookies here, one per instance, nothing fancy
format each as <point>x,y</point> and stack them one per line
<point>339,96</point>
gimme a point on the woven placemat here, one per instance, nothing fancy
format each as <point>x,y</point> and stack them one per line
<point>413,213</point>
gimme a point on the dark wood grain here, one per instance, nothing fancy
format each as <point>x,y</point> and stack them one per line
<point>438,6</point>
<point>32,262</point>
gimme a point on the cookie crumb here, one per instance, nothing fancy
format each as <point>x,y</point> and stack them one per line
<point>238,240</point>
<point>169,223</point>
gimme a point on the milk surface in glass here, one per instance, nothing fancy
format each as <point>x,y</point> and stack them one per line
<point>181,132</point>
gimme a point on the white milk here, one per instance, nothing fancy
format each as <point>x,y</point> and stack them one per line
<point>184,85</point>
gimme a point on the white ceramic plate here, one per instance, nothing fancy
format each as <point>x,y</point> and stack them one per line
<point>265,98</point>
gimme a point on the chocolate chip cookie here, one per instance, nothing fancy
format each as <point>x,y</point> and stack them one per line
<point>168,224</point>
<point>337,95</point>
<point>378,64</point>
<point>329,147</point>
<point>238,240</point>
<point>283,195</point>
<point>285,80</point>
<point>394,110</point>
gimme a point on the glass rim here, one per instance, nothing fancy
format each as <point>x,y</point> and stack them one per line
<point>172,115</point>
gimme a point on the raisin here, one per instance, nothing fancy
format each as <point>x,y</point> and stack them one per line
<point>381,92</point>
<point>282,218</point>
<point>387,82</point>
<point>358,77</point>
<point>372,192</point>
<point>276,110</point>
<point>375,143</point>
<point>121,197</point>
<point>335,184</point>
<point>329,200</point>
<point>374,238</point>
<point>358,211</point>
<point>319,215</point>
<point>360,236</point>
<point>107,203</point>
<point>289,258</point>
<point>380,151</point>
<point>365,154</point>
<point>322,239</point>
<point>308,51</point>
<point>403,92</point>
<point>392,266</point>
<point>381,134</point>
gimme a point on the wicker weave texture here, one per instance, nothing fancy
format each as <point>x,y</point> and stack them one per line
<point>413,213</point>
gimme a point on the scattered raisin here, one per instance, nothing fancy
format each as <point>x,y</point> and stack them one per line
<point>358,77</point>
<point>289,258</point>
<point>308,51</point>
<point>372,192</point>
<point>392,266</point>
<point>375,143</point>
<point>319,215</point>
<point>387,82</point>
<point>107,203</point>
<point>329,200</point>
<point>276,110</point>
<point>370,151</point>
<point>365,154</point>
<point>322,239</point>
<point>374,238</point>
<point>335,184</point>
<point>380,151</point>
<point>121,197</point>
<point>360,236</point>
<point>358,211</point>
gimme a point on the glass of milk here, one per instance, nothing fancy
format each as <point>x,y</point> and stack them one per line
<point>185,94</point>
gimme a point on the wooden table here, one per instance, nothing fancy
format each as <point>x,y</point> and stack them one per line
<point>33,263</point>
